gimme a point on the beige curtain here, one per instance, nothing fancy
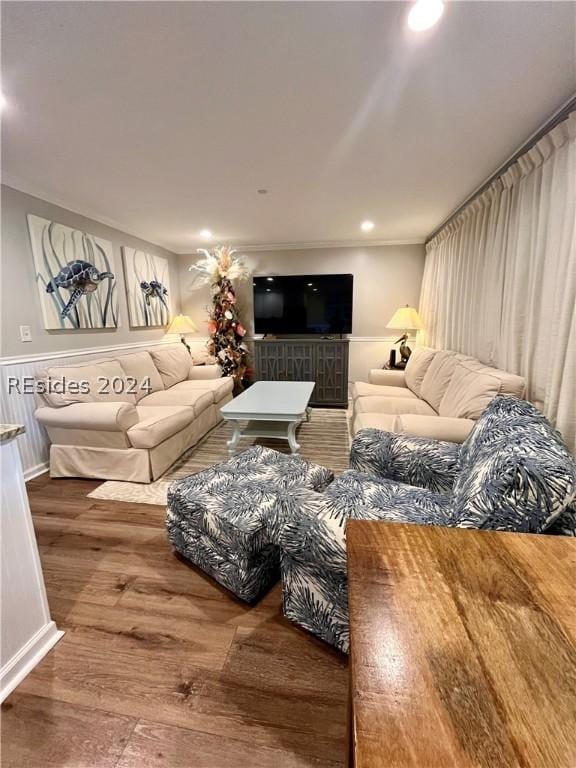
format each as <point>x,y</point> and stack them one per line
<point>500,279</point>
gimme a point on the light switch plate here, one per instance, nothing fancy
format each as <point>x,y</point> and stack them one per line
<point>25,333</point>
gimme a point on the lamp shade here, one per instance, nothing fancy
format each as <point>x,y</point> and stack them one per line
<point>182,324</point>
<point>404,319</point>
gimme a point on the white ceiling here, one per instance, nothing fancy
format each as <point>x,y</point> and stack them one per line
<point>164,118</point>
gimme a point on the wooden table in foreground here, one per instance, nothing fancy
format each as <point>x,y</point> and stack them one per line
<point>463,648</point>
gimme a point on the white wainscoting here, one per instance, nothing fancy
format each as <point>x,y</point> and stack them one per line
<point>365,352</point>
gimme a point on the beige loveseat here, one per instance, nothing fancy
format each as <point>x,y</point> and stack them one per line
<point>440,395</point>
<point>129,417</point>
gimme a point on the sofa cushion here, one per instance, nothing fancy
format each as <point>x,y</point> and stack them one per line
<point>473,386</point>
<point>158,423</point>
<point>198,399</point>
<point>219,388</point>
<point>469,392</point>
<point>363,389</point>
<point>393,405</point>
<point>140,367</point>
<point>100,381</point>
<point>384,421</point>
<point>173,363</point>
<point>416,368</point>
<point>437,377</point>
<point>435,427</point>
<point>201,356</point>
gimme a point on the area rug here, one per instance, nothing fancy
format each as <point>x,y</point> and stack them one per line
<point>325,440</point>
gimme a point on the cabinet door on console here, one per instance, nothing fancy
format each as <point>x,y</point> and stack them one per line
<point>331,373</point>
<point>299,358</point>
<point>270,361</point>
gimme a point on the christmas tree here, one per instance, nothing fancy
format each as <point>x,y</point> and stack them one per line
<point>219,269</point>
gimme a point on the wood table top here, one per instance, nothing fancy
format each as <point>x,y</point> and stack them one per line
<point>463,647</point>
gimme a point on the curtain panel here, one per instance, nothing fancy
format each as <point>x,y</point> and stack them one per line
<point>500,279</point>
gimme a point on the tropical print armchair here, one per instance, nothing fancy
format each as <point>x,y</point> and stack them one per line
<point>513,473</point>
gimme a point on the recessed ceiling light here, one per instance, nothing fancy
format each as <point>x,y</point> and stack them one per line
<point>268,290</point>
<point>315,289</point>
<point>206,234</point>
<point>310,285</point>
<point>367,226</point>
<point>270,279</point>
<point>424,14</point>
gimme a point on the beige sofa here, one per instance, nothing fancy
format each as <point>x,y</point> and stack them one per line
<point>129,417</point>
<point>440,394</point>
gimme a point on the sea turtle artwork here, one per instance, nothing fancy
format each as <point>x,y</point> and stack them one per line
<point>148,289</point>
<point>154,289</point>
<point>79,277</point>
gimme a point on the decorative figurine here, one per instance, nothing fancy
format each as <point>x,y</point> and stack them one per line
<point>405,350</point>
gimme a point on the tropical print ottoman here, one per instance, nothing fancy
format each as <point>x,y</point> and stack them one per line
<point>221,519</point>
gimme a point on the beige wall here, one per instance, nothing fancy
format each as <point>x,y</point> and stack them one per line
<point>20,304</point>
<point>385,278</point>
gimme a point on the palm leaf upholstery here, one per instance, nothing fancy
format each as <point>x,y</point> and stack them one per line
<point>513,473</point>
<point>313,545</point>
<point>419,461</point>
<point>516,473</point>
<point>218,518</point>
<point>565,523</point>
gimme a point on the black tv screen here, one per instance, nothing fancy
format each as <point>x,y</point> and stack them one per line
<point>299,304</point>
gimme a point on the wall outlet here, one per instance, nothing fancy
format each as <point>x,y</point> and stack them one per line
<point>25,333</point>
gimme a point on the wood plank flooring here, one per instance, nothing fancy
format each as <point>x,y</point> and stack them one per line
<point>159,666</point>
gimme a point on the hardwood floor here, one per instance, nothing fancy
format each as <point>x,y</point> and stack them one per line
<point>159,666</point>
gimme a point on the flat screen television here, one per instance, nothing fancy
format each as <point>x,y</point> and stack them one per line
<point>303,304</point>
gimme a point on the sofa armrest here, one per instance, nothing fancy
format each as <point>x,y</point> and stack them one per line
<point>102,416</point>
<point>388,378</point>
<point>198,372</point>
<point>418,461</point>
<point>435,427</point>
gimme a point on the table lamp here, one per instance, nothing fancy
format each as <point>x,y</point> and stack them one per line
<point>182,324</point>
<point>405,319</point>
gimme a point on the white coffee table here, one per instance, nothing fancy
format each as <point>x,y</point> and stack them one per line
<point>272,409</point>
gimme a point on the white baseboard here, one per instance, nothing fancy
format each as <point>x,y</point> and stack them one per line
<point>28,657</point>
<point>38,469</point>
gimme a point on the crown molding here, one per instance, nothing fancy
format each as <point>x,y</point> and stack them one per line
<point>45,197</point>
<point>26,189</point>
<point>296,246</point>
